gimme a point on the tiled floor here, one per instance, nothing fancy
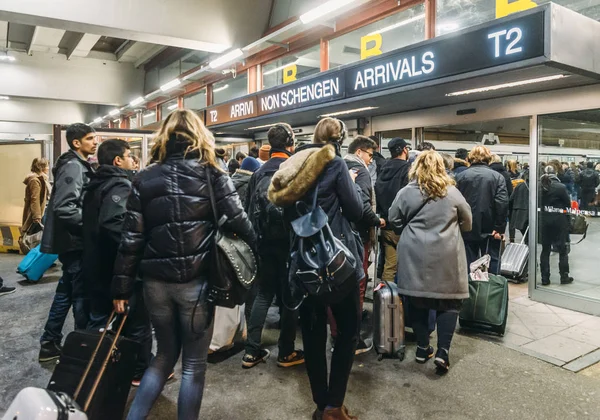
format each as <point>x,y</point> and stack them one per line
<point>558,336</point>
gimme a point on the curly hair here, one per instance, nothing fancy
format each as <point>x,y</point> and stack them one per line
<point>430,173</point>
<point>39,165</point>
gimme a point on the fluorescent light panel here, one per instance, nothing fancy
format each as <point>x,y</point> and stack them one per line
<point>97,120</point>
<point>170,85</point>
<point>262,126</point>
<point>172,107</point>
<point>150,114</point>
<point>349,111</point>
<point>7,58</point>
<point>114,112</point>
<point>226,58</point>
<point>275,70</point>
<point>508,85</point>
<point>4,98</point>
<point>398,25</point>
<point>324,9</point>
<point>221,88</point>
<point>137,101</point>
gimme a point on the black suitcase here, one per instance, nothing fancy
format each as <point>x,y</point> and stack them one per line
<point>97,370</point>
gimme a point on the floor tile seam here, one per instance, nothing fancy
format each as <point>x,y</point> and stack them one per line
<point>579,341</point>
<point>581,357</point>
<point>525,325</point>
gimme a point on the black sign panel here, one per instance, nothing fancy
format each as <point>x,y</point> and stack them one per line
<point>300,94</point>
<point>501,43</point>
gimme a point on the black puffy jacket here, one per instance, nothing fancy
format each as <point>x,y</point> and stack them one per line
<point>363,180</point>
<point>485,191</point>
<point>169,229</point>
<point>392,178</point>
<point>499,167</point>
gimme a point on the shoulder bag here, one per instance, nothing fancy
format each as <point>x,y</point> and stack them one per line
<point>234,266</point>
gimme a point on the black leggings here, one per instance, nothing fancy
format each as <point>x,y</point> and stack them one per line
<point>446,324</point>
<point>313,318</point>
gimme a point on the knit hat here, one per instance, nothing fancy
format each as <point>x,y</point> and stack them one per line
<point>263,153</point>
<point>250,164</point>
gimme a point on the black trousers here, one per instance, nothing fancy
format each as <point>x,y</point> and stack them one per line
<point>554,235</point>
<point>313,318</point>
<point>445,322</point>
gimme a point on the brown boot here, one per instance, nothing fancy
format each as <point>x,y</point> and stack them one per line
<point>339,413</point>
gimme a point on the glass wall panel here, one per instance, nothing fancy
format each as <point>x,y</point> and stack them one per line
<point>396,31</point>
<point>148,118</point>
<point>166,108</point>
<point>226,90</point>
<point>292,67</point>
<point>196,100</point>
<point>133,122</point>
<point>452,15</point>
<point>568,200</point>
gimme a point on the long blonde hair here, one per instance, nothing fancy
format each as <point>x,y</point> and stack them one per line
<point>430,173</point>
<point>185,126</point>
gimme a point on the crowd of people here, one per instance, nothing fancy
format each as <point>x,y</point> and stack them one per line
<point>140,241</point>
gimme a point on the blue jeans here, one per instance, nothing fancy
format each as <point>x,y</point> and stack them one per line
<point>63,299</point>
<point>171,306</point>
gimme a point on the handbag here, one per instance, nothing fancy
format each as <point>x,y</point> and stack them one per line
<point>234,265</point>
<point>399,225</point>
<point>578,225</point>
<point>31,238</point>
<point>321,263</point>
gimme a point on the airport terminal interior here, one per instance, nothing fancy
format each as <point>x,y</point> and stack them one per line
<point>519,79</point>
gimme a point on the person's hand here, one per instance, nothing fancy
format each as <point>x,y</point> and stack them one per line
<point>382,223</point>
<point>496,235</point>
<point>38,221</point>
<point>353,175</point>
<point>120,305</point>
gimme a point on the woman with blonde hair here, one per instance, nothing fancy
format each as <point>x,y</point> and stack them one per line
<point>37,191</point>
<point>432,213</point>
<point>167,238</point>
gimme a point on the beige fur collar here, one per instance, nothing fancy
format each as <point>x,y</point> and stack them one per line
<point>464,162</point>
<point>297,175</point>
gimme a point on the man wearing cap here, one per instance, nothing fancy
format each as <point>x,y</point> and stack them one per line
<point>393,177</point>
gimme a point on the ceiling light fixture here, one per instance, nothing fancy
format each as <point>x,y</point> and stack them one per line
<point>7,58</point>
<point>349,111</point>
<point>150,114</point>
<point>4,98</point>
<point>258,127</point>
<point>172,107</point>
<point>508,85</point>
<point>98,120</point>
<point>398,25</point>
<point>276,69</point>
<point>170,85</point>
<point>114,112</point>
<point>226,58</point>
<point>137,101</point>
<point>324,9</point>
<point>117,120</point>
<point>219,89</point>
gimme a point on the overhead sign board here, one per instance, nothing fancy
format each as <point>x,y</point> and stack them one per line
<point>232,111</point>
<point>494,45</point>
<point>304,93</point>
<point>499,43</point>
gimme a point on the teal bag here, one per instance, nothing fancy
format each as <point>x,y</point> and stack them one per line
<point>487,307</point>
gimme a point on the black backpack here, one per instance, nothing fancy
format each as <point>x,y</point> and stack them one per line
<point>268,218</point>
<point>589,178</point>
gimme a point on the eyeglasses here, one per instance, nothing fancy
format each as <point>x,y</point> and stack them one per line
<point>368,153</point>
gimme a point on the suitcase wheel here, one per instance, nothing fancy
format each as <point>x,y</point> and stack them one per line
<point>379,357</point>
<point>401,354</point>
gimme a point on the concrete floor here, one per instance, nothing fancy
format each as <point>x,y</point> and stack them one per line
<point>486,381</point>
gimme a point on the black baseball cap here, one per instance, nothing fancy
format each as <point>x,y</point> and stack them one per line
<point>398,144</point>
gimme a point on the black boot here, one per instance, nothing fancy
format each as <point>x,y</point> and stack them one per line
<point>565,279</point>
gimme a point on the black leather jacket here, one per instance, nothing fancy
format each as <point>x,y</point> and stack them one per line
<point>169,229</point>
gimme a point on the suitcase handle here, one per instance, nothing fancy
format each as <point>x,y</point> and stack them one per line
<point>112,317</point>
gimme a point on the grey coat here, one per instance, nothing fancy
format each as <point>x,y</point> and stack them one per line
<point>431,253</point>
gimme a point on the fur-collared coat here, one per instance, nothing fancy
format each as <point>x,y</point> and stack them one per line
<point>338,196</point>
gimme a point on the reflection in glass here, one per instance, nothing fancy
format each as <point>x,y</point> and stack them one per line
<point>167,108</point>
<point>226,90</point>
<point>569,152</point>
<point>196,100</point>
<point>397,31</point>
<point>302,64</point>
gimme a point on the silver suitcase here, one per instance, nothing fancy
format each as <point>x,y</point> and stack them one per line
<point>514,261</point>
<point>41,404</point>
<point>388,321</point>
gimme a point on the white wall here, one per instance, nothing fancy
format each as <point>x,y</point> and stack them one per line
<point>42,111</point>
<point>52,76</point>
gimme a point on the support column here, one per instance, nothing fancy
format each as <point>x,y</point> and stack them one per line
<point>259,78</point>
<point>252,82</point>
<point>430,9</point>
<point>180,102</point>
<point>209,95</point>
<point>324,55</point>
<point>124,123</point>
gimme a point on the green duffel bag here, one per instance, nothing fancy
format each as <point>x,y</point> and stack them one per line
<point>487,307</point>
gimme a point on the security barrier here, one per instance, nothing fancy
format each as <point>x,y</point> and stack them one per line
<point>9,239</point>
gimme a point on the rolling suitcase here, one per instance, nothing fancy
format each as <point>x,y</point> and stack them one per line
<point>514,260</point>
<point>97,370</point>
<point>388,321</point>
<point>35,264</point>
<point>486,309</point>
<point>40,404</point>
